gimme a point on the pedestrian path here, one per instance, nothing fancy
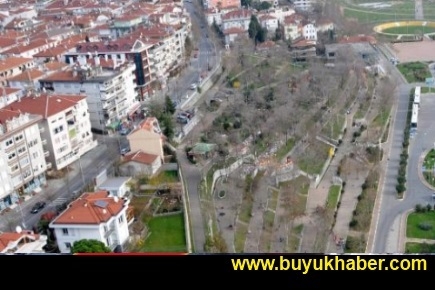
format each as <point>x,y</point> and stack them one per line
<point>59,201</point>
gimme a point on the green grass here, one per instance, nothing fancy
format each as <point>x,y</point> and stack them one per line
<point>333,194</point>
<point>166,234</point>
<point>314,158</point>
<point>429,160</point>
<point>240,237</point>
<point>384,137</point>
<point>334,128</point>
<point>415,219</point>
<point>414,71</point>
<point>381,119</point>
<point>399,11</point>
<point>419,248</point>
<point>409,30</point>
<point>294,238</point>
<point>426,90</point>
<point>285,149</point>
<point>273,199</point>
<point>246,210</point>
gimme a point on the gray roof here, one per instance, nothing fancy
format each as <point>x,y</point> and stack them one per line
<point>114,182</point>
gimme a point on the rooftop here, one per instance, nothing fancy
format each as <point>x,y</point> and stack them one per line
<point>114,182</point>
<point>91,208</point>
<point>45,105</point>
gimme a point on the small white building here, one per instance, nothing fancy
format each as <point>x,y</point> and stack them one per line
<point>139,162</point>
<point>116,186</point>
<point>309,31</point>
<point>96,216</point>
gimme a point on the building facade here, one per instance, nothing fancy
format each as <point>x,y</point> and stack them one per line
<point>96,216</point>
<point>22,161</point>
<point>65,127</point>
<point>110,92</point>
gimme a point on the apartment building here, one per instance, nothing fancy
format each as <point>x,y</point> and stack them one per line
<point>97,216</point>
<point>12,66</point>
<point>303,4</point>
<point>109,86</point>
<point>120,51</point>
<point>22,159</point>
<point>9,95</point>
<point>65,128</point>
<point>236,19</point>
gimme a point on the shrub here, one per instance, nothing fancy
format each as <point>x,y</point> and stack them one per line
<point>353,223</point>
<point>418,208</point>
<point>425,226</point>
<point>428,207</point>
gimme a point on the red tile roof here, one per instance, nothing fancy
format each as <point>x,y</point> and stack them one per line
<point>28,75</point>
<point>140,157</point>
<point>87,210</point>
<point>6,238</point>
<point>237,14</point>
<point>13,62</point>
<point>4,91</point>
<point>234,30</point>
<point>45,105</point>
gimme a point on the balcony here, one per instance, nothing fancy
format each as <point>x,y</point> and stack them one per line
<point>49,165</point>
<point>46,153</point>
<point>44,141</point>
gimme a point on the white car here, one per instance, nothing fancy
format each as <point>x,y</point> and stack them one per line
<point>193,86</point>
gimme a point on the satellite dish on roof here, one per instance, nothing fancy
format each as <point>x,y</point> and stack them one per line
<point>18,229</point>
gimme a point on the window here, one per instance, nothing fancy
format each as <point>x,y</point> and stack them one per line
<point>35,155</point>
<point>9,142</point>
<point>22,150</point>
<point>14,168</point>
<point>121,219</point>
<point>68,245</point>
<point>12,155</point>
<point>19,138</point>
<point>65,232</point>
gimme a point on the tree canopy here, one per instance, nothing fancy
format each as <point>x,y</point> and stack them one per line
<point>89,246</point>
<point>255,31</point>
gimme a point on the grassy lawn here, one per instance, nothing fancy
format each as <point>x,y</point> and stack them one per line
<point>414,71</point>
<point>294,238</point>
<point>382,118</point>
<point>240,237</point>
<point>385,134</point>
<point>139,204</point>
<point>419,248</point>
<point>266,234</point>
<point>333,194</point>
<point>273,199</point>
<point>170,176</point>
<point>429,160</point>
<point>285,149</point>
<point>429,177</point>
<point>355,244</point>
<point>333,129</point>
<point>415,220</point>
<point>425,90</point>
<point>166,234</point>
<point>314,158</point>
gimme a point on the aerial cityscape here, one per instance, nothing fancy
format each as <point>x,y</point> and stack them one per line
<point>217,126</point>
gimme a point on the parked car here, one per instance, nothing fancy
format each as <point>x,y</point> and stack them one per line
<point>124,131</point>
<point>182,120</point>
<point>193,86</point>
<point>185,115</point>
<point>124,151</point>
<point>38,207</point>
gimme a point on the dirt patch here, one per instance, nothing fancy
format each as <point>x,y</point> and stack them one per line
<point>414,51</point>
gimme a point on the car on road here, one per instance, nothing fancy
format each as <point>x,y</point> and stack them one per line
<point>124,131</point>
<point>124,150</point>
<point>193,86</point>
<point>38,207</point>
<point>182,119</point>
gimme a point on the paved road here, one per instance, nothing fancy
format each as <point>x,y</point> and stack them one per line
<point>419,15</point>
<point>386,239</point>
<point>179,88</point>
<point>62,190</point>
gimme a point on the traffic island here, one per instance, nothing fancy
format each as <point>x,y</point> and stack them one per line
<point>426,170</point>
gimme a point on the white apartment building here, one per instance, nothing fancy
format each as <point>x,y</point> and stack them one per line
<point>12,66</point>
<point>110,92</point>
<point>303,4</point>
<point>96,216</point>
<point>309,31</point>
<point>65,128</point>
<point>236,19</point>
<point>22,160</point>
<point>269,22</point>
<point>9,95</point>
